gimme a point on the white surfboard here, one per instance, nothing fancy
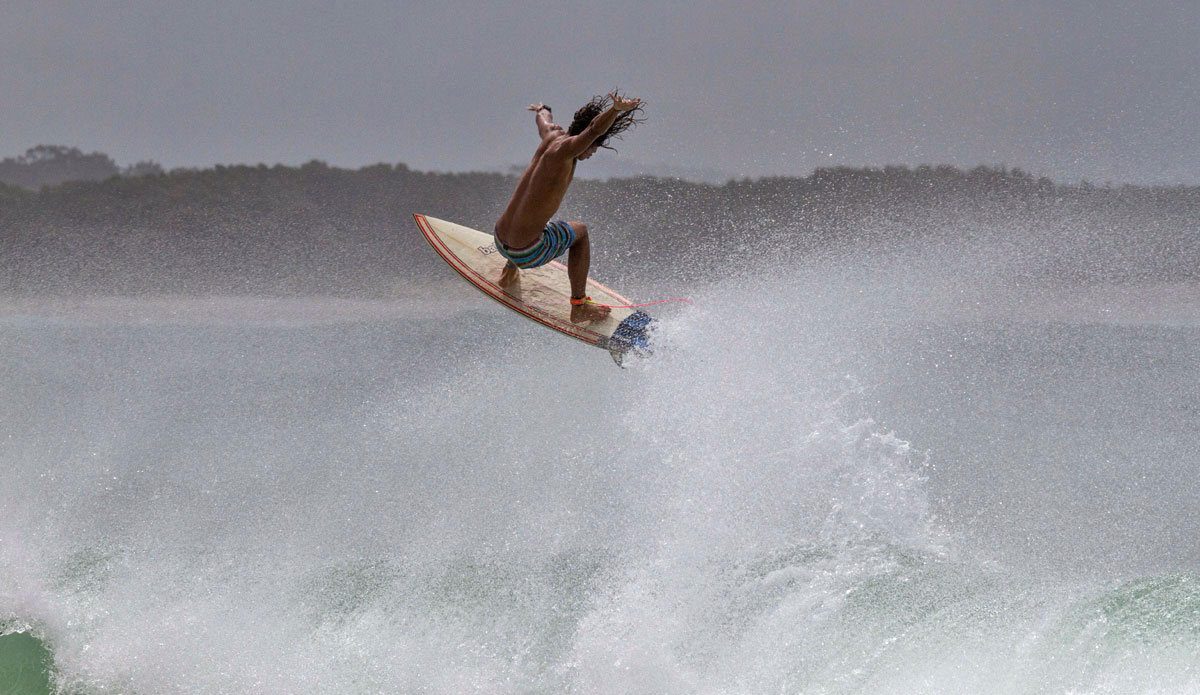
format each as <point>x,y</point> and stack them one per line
<point>541,294</point>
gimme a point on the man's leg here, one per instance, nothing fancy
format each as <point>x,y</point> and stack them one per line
<point>579,259</point>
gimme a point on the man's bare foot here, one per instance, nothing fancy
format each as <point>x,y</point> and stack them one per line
<point>588,312</point>
<point>508,276</point>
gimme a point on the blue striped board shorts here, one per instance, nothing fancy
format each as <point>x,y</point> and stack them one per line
<point>556,238</point>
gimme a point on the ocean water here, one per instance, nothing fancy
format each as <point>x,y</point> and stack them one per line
<point>838,478</point>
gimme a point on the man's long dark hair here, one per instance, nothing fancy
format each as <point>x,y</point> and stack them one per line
<point>598,105</point>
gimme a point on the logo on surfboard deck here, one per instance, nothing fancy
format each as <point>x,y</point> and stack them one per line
<point>486,250</point>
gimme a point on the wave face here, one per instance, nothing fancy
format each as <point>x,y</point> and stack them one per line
<point>842,478</point>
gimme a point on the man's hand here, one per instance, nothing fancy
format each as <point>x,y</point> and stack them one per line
<point>622,104</point>
<point>537,107</point>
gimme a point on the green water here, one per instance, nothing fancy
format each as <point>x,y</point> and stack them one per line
<point>24,665</point>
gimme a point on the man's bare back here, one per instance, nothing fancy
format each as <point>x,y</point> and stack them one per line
<point>540,192</point>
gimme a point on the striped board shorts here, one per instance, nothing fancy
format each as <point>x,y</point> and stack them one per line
<point>556,238</point>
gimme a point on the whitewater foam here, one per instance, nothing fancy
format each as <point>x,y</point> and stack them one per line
<point>319,505</point>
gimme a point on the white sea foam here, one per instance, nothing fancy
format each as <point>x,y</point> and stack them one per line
<point>313,496</point>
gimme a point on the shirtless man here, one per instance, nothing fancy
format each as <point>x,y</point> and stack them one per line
<point>524,233</point>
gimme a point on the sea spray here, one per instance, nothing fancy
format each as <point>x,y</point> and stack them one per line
<point>381,505</point>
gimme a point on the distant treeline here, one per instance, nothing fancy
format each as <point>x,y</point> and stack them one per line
<point>319,229</point>
<point>48,165</point>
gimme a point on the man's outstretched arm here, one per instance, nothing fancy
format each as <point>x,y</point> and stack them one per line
<point>544,119</point>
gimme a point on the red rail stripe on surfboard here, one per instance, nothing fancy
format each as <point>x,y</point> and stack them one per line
<point>591,281</point>
<point>483,284</point>
<point>526,310</point>
<point>492,290</point>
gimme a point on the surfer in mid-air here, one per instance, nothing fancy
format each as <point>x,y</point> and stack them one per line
<point>525,235</point>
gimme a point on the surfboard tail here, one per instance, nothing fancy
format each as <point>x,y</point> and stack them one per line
<point>631,336</point>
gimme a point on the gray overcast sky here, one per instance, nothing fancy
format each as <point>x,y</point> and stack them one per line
<point>1096,89</point>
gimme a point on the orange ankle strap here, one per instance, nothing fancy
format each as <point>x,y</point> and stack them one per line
<point>581,300</point>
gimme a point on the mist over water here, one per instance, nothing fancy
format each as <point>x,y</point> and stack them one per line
<point>903,472</point>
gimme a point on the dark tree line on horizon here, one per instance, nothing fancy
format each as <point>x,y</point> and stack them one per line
<point>49,165</point>
<point>320,229</point>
